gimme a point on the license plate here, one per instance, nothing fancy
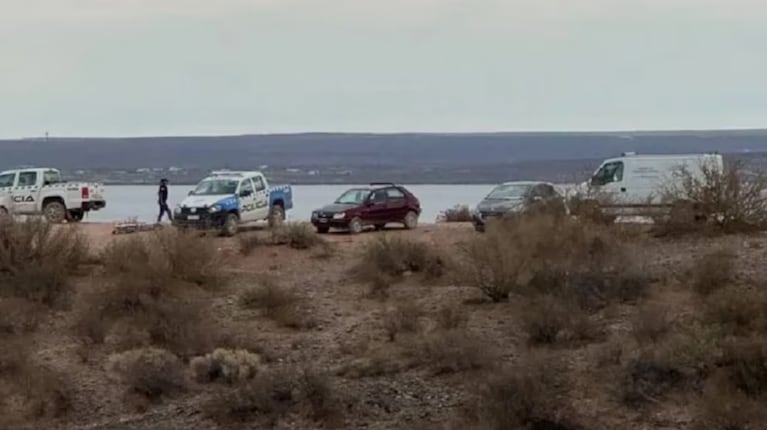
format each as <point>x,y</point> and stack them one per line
<point>193,217</point>
<point>323,220</point>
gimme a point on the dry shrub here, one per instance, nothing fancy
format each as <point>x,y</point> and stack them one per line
<point>37,259</point>
<point>722,406</point>
<point>651,323</point>
<point>713,271</point>
<point>531,395</point>
<point>274,394</point>
<point>448,351</point>
<point>131,312</point>
<point>403,318</point>
<point>277,303</point>
<point>737,310</point>
<point>716,200</point>
<point>230,366</point>
<point>19,316</point>
<point>250,241</point>
<point>379,286</point>
<point>647,377</point>
<point>547,319</point>
<point>394,256</point>
<point>451,317</point>
<point>550,254</point>
<point>151,373</point>
<point>175,255</point>
<point>458,213</point>
<point>745,363</point>
<point>297,235</point>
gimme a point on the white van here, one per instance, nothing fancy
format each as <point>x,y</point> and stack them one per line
<point>639,181</point>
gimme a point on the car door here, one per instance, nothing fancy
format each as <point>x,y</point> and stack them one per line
<point>261,198</point>
<point>25,192</point>
<point>376,207</point>
<point>247,195</point>
<point>396,205</point>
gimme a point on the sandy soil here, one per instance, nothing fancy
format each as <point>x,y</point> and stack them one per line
<point>347,321</point>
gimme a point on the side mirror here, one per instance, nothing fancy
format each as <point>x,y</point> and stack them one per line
<point>190,192</point>
<point>368,203</point>
<point>537,198</point>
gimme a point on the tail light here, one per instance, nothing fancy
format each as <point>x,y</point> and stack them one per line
<point>86,193</point>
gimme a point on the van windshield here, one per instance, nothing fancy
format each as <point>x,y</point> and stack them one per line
<point>509,192</point>
<point>214,187</point>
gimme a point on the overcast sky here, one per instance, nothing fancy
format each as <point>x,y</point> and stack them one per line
<point>163,67</point>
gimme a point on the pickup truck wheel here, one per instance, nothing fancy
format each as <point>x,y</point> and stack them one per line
<point>276,216</point>
<point>355,226</point>
<point>231,225</point>
<point>323,230</point>
<point>411,220</point>
<point>55,212</point>
<point>76,216</point>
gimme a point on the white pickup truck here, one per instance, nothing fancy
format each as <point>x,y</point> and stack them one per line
<point>41,191</point>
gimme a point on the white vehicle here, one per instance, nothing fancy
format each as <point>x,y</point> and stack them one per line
<point>224,200</point>
<point>632,181</point>
<point>41,191</point>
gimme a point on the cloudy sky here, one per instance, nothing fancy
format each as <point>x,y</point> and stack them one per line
<point>163,67</point>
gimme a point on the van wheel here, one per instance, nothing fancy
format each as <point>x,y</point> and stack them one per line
<point>55,212</point>
<point>411,220</point>
<point>276,216</point>
<point>355,226</point>
<point>231,225</point>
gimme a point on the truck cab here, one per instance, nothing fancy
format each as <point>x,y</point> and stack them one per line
<point>227,199</point>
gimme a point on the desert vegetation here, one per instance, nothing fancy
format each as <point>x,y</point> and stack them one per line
<point>546,321</point>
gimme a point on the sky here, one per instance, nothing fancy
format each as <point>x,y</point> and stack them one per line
<point>187,67</point>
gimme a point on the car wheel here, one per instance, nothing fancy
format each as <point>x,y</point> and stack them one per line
<point>380,227</point>
<point>411,220</point>
<point>323,230</point>
<point>355,226</point>
<point>3,213</point>
<point>276,216</point>
<point>55,212</point>
<point>231,225</point>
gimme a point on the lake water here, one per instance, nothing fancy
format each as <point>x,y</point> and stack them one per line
<point>127,201</point>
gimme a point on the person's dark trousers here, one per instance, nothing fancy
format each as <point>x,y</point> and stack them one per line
<point>163,210</point>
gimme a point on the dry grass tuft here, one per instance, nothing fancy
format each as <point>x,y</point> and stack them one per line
<point>651,323</point>
<point>451,317</point>
<point>448,351</point>
<point>297,235</point>
<point>737,310</point>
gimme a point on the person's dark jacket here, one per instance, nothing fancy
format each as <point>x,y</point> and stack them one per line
<point>162,194</point>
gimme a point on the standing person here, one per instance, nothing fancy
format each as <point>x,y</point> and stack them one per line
<point>162,200</point>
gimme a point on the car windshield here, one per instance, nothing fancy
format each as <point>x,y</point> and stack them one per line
<point>211,187</point>
<point>353,197</point>
<point>509,191</point>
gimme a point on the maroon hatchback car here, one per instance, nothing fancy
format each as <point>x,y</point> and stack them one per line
<point>376,205</point>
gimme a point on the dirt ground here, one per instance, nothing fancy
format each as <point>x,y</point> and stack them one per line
<point>348,321</point>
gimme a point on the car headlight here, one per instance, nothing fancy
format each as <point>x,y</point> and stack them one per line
<point>315,214</point>
<point>214,209</point>
<point>341,215</point>
<point>177,209</point>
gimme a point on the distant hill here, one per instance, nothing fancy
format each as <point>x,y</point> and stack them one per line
<point>408,154</point>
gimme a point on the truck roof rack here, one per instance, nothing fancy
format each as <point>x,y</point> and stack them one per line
<point>232,173</point>
<point>378,184</point>
<point>628,154</point>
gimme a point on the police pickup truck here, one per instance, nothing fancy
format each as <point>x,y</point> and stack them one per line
<point>41,191</point>
<point>227,199</point>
